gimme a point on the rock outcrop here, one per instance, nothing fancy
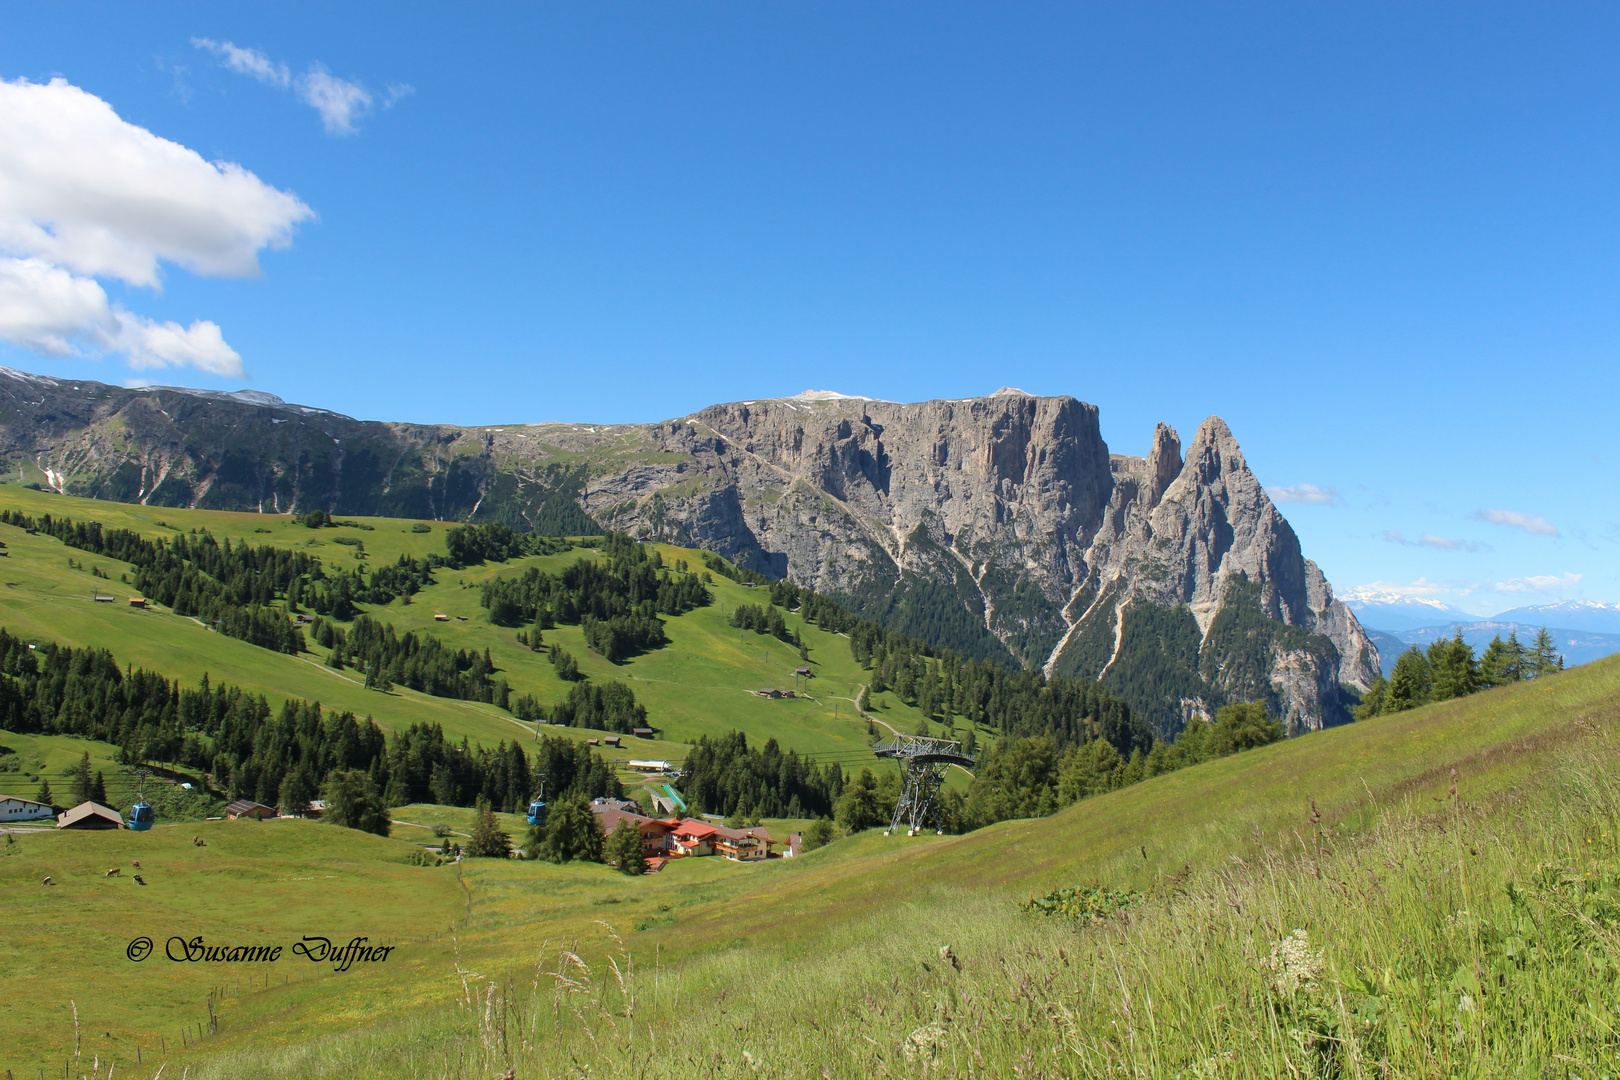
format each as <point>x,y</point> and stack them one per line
<point>1000,526</point>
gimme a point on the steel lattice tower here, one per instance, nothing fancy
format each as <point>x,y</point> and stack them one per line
<point>924,762</point>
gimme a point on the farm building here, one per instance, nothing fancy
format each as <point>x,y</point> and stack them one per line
<point>137,601</point>
<point>89,815</point>
<point>16,808</point>
<point>247,808</point>
<point>643,732</point>
<point>804,672</point>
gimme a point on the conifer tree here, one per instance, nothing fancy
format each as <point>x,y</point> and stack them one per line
<point>1544,658</point>
<point>623,850</point>
<point>1372,702</point>
<point>1496,667</point>
<point>1454,672</point>
<point>571,833</point>
<point>488,841</point>
<point>82,781</point>
<point>1408,683</point>
<point>98,789</point>
<point>44,793</point>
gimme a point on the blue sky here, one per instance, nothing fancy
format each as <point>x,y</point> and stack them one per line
<point>1379,240</point>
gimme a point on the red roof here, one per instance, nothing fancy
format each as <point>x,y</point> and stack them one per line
<point>696,830</point>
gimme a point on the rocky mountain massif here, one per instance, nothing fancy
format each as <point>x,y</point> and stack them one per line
<point>999,526</point>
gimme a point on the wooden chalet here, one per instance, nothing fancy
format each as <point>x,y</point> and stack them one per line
<point>247,808</point>
<point>741,845</point>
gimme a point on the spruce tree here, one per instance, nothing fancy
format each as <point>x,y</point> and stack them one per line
<point>1408,683</point>
<point>623,850</point>
<point>1544,658</point>
<point>488,841</point>
<point>1372,702</point>
<point>44,793</point>
<point>82,781</point>
<point>1454,672</point>
<point>571,833</point>
<point>98,789</point>
<point>1495,668</point>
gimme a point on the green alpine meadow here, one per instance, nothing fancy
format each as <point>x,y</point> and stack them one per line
<point>840,541</point>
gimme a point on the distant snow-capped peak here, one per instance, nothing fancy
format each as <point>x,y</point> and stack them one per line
<point>1367,594</point>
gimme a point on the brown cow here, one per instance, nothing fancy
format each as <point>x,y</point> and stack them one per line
<point>112,873</point>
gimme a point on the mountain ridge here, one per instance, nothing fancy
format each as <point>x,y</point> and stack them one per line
<point>999,526</point>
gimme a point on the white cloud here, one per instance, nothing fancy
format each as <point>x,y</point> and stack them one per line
<point>1420,587</point>
<point>341,102</point>
<point>86,195</point>
<point>151,344</point>
<point>1304,493</point>
<point>1439,543</point>
<point>1539,583</point>
<point>1530,523</point>
<point>49,310</point>
<point>250,62</point>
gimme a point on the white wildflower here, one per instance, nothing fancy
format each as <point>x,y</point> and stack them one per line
<point>923,1043</point>
<point>1292,963</point>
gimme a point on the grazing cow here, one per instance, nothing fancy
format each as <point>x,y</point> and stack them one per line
<point>138,880</point>
<point>136,865</point>
<point>112,873</point>
<point>198,841</point>
<point>47,881</point>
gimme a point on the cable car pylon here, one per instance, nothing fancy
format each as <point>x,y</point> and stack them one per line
<point>923,762</point>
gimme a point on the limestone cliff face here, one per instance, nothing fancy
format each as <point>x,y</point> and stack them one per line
<point>1001,525</point>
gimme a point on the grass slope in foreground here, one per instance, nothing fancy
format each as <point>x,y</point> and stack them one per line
<point>1418,958</point>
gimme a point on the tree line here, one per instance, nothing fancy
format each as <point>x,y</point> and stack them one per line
<point>616,601</point>
<point>386,658</point>
<point>1449,669</point>
<point>287,756</point>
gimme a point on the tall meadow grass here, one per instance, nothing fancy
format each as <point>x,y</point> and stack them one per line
<point>1452,939</point>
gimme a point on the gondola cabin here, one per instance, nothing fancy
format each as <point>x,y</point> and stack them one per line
<point>537,813</point>
<point>141,817</point>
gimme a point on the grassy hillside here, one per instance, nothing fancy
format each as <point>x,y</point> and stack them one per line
<point>701,683</point>
<point>1428,963</point>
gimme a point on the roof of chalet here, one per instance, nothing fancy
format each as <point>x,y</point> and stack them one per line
<point>242,806</point>
<point>69,818</point>
<point>757,831</point>
<point>18,798</point>
<point>608,817</point>
<point>696,830</point>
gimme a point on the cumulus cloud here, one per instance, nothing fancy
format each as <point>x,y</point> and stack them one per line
<point>1304,493</point>
<point>1539,583</point>
<point>1439,543</point>
<point>1530,523</point>
<point>86,195</point>
<point>341,102</point>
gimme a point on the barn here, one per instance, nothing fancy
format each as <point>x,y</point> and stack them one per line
<point>89,815</point>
